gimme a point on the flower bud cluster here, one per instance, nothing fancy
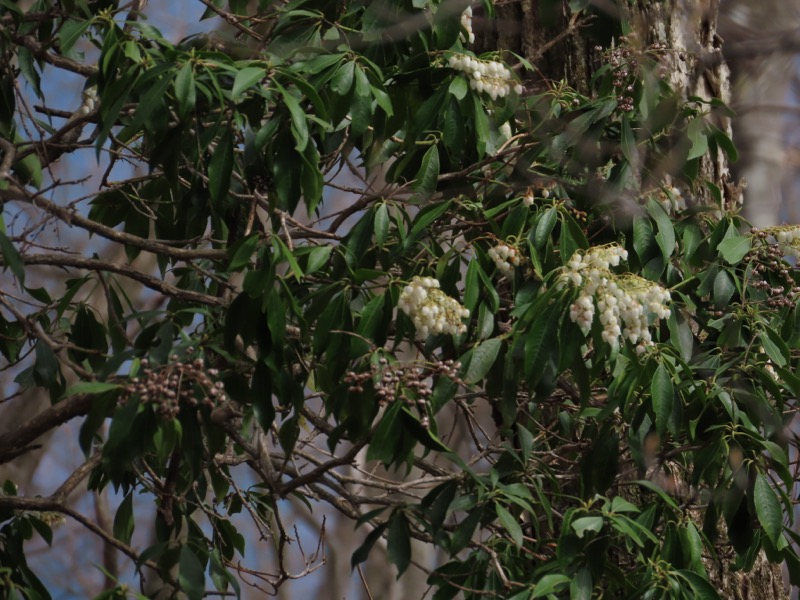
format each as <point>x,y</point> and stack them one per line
<point>530,195</point>
<point>430,309</point>
<point>173,386</point>
<point>411,383</point>
<point>626,303</point>
<point>771,273</point>
<point>488,76</point>
<point>505,258</point>
<point>672,200</point>
<point>788,238</point>
<point>466,25</point>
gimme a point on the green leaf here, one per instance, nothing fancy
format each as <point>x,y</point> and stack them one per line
<point>317,258</point>
<point>510,524</point>
<point>381,224</point>
<point>69,33</point>
<point>284,252</point>
<point>539,343</point>
<point>245,79</point>
<point>483,357</point>
<point>191,576</point>
<point>549,584</point>
<point>299,124</point>
<point>12,258</point>
<point>342,82</point>
<point>703,590</point>
<point>45,369</point>
<point>724,141</point>
<point>383,446</point>
<point>663,395</point>
<point>362,552</point>
<point>666,232</point>
<point>774,347</point>
<point>185,92</point>
<point>642,237</point>
<point>398,542</point>
<point>242,252</point>
<point>581,586</point>
<point>628,142</point>
<point>463,533</point>
<point>584,524</point>
<point>458,86</point>
<point>544,227</point>
<point>659,492</point>
<point>768,508</point>
<point>428,175</point>
<point>733,249</point>
<point>723,289</point>
<point>123,521</point>
<point>696,133</point>
<point>220,168</point>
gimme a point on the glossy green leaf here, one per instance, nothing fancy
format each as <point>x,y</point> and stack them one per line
<point>245,79</point>
<point>191,575</point>
<point>220,167</point>
<point>398,542</point>
<point>362,552</point>
<point>768,508</point>
<point>12,258</point>
<point>666,232</point>
<point>510,524</point>
<point>299,124</point>
<point>583,524</point>
<point>427,177</point>
<point>549,584</point>
<point>663,394</point>
<point>483,357</point>
<point>458,87</point>
<point>381,224</point>
<point>697,136</point>
<point>733,249</point>
<point>724,289</point>
<point>124,521</point>
<point>580,588</point>
<point>185,92</point>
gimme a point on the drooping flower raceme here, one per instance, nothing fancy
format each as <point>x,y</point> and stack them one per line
<point>430,309</point>
<point>505,258</point>
<point>672,200</point>
<point>488,76</point>
<point>626,303</point>
<point>466,23</point>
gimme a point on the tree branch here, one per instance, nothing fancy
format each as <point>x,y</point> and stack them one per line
<point>94,264</point>
<point>13,443</point>
<point>71,217</point>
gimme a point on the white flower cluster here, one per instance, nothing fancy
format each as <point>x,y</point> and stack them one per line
<point>626,302</point>
<point>505,258</point>
<point>88,104</point>
<point>430,309</point>
<point>672,200</point>
<point>488,76</point>
<point>466,23</point>
<point>788,238</point>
